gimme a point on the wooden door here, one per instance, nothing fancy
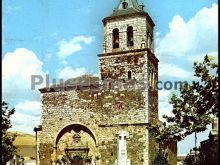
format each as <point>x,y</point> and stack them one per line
<point>77,162</point>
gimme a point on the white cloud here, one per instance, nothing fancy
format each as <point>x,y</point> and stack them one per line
<point>27,107</point>
<point>200,57</point>
<point>17,68</point>
<point>164,95</point>
<point>66,48</point>
<point>174,71</point>
<point>164,107</point>
<point>21,62</point>
<point>197,36</point>
<point>27,116</point>
<point>186,41</point>
<point>69,72</point>
<point>64,62</point>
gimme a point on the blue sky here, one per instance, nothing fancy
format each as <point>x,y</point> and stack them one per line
<point>63,38</point>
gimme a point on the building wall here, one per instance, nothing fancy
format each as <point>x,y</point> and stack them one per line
<point>104,113</point>
<point>117,66</point>
<point>108,111</point>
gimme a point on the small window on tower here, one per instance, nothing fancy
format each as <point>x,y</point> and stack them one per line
<point>130,36</point>
<point>115,38</point>
<point>129,75</point>
<point>136,60</point>
<point>125,5</point>
<point>129,59</point>
<point>102,77</point>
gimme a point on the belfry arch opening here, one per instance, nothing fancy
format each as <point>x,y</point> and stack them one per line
<point>129,75</point>
<point>115,36</point>
<point>130,36</point>
<point>124,5</point>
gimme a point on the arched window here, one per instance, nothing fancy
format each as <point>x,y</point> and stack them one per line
<point>130,36</point>
<point>129,75</point>
<point>124,5</point>
<point>115,38</point>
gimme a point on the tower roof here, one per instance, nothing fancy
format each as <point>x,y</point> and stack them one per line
<point>128,8</point>
<point>126,4</point>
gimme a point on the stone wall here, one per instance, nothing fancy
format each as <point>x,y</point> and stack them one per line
<point>117,66</point>
<point>83,106</point>
<point>136,144</point>
<point>104,113</point>
<point>152,106</point>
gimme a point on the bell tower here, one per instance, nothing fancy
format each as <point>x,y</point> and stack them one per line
<point>128,57</point>
<point>128,49</point>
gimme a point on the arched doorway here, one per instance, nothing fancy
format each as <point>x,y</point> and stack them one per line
<point>76,145</point>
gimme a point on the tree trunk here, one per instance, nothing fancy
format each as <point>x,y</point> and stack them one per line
<point>195,140</point>
<point>195,147</point>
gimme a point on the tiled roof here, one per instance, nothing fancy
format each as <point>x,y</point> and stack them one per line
<point>124,12</point>
<point>85,82</point>
<point>133,9</point>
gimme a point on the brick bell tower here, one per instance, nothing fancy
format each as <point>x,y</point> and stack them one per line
<point>128,57</point>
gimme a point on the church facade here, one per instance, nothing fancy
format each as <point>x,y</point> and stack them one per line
<point>81,118</point>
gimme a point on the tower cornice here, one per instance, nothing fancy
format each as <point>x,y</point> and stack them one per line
<point>127,15</point>
<point>130,51</point>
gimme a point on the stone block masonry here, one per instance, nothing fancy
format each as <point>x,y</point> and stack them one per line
<point>97,117</point>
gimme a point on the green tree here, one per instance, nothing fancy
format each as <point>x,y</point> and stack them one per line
<point>161,158</point>
<point>8,149</point>
<point>191,160</point>
<point>197,103</point>
<point>194,106</point>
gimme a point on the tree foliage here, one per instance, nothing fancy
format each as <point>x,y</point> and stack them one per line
<point>194,106</point>
<point>8,149</point>
<point>161,158</point>
<point>190,160</point>
<point>207,155</point>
